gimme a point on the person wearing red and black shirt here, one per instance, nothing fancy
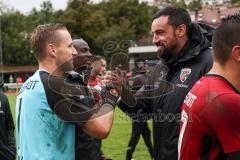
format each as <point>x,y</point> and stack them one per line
<point>211,110</point>
<point>98,69</point>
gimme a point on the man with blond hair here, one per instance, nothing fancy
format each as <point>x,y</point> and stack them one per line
<point>53,102</point>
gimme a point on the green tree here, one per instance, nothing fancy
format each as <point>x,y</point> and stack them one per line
<point>177,3</point>
<point>235,2</point>
<point>113,20</point>
<point>44,15</point>
<point>138,14</point>
<point>16,29</point>
<point>15,40</point>
<point>195,5</point>
<point>3,7</point>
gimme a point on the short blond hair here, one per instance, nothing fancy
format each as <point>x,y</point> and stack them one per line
<point>41,36</point>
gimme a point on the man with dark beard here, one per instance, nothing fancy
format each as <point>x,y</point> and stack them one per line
<point>185,48</point>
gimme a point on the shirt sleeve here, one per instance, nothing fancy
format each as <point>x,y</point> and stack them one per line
<point>225,121</point>
<point>9,118</point>
<point>141,112</point>
<point>68,99</point>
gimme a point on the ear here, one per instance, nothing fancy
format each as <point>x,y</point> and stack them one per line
<point>236,53</point>
<point>51,50</point>
<point>181,30</point>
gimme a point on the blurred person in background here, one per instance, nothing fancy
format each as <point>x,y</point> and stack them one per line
<point>7,139</point>
<point>139,126</point>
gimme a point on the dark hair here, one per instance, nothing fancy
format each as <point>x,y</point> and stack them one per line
<point>97,58</point>
<point>138,60</point>
<point>42,35</point>
<point>177,16</point>
<point>81,46</point>
<point>226,36</point>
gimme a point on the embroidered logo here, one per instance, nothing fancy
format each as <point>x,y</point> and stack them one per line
<point>185,72</point>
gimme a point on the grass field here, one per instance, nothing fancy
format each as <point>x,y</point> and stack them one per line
<point>115,145</point>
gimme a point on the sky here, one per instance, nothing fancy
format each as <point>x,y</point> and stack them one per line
<point>26,6</point>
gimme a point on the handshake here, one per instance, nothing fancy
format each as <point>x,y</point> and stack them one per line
<point>105,95</point>
<point>107,91</point>
<point>113,86</point>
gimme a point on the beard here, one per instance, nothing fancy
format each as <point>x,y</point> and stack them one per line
<point>166,52</point>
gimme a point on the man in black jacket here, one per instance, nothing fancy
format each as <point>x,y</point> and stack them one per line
<point>185,49</point>
<point>87,147</point>
<point>7,140</point>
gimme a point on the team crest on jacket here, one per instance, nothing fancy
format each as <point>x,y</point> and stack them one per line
<point>185,72</point>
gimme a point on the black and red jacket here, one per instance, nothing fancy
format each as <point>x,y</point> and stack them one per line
<point>193,61</point>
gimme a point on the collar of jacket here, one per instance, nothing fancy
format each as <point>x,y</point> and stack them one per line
<point>200,36</point>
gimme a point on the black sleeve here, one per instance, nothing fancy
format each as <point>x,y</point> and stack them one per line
<point>68,99</point>
<point>234,155</point>
<point>10,127</point>
<point>208,60</point>
<point>137,109</point>
<point>128,96</point>
<point>10,149</point>
<point>9,118</point>
<point>154,87</point>
<point>142,111</point>
<point>6,153</point>
<point>138,82</point>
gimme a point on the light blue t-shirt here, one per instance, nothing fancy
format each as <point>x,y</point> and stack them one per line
<point>41,134</point>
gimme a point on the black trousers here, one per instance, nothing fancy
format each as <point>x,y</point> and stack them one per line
<point>87,148</point>
<point>139,128</point>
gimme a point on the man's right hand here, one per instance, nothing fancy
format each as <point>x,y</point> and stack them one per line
<point>116,78</point>
<point>119,81</point>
